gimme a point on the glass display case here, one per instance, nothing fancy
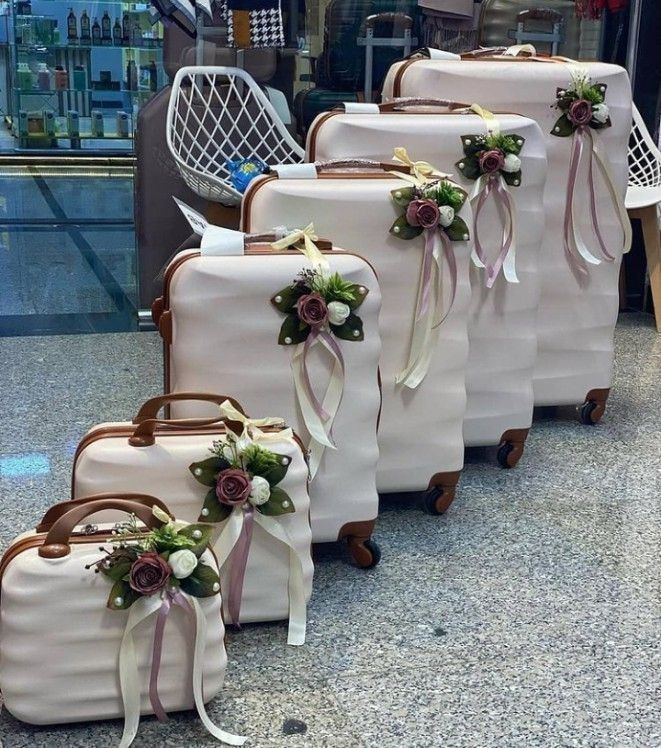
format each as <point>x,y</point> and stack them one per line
<point>79,72</point>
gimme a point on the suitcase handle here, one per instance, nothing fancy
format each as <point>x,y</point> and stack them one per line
<point>397,104</point>
<point>144,435</point>
<point>56,544</point>
<point>396,19</point>
<point>323,244</point>
<point>58,510</point>
<point>150,408</point>
<point>359,163</point>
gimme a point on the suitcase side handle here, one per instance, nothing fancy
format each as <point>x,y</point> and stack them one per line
<point>150,408</point>
<point>144,434</point>
<point>56,511</point>
<point>398,104</point>
<point>56,544</point>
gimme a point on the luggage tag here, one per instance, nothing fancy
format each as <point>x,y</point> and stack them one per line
<point>216,241</point>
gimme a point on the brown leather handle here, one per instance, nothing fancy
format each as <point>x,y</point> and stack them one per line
<point>322,244</point>
<point>56,511</point>
<point>540,14</point>
<point>150,408</point>
<point>358,163</point>
<point>144,434</point>
<point>401,19</point>
<point>483,52</point>
<point>403,103</point>
<point>56,544</point>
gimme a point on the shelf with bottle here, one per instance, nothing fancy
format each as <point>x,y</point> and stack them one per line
<point>32,125</point>
<point>46,82</point>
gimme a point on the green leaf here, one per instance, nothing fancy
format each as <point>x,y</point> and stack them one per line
<point>513,145</point>
<point>512,178</point>
<point>469,167</point>
<point>201,582</point>
<point>402,196</point>
<point>358,296</point>
<point>275,473</point>
<point>293,329</point>
<point>202,542</point>
<point>118,571</point>
<point>208,470</point>
<point>217,512</point>
<point>278,504</point>
<point>122,590</point>
<point>288,298</point>
<point>600,125</point>
<point>472,144</point>
<point>404,230</point>
<point>563,128</point>
<point>346,331</point>
<point>457,231</point>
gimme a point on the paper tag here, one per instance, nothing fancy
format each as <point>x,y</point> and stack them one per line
<point>441,54</point>
<point>360,107</point>
<point>296,171</point>
<point>196,220</point>
<point>216,240</point>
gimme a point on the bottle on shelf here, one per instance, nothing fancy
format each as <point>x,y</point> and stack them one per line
<point>79,78</point>
<point>153,76</point>
<point>106,30</point>
<point>126,29</point>
<point>24,75</point>
<point>43,77</point>
<point>117,33</point>
<point>27,36</point>
<point>96,32</point>
<point>136,35</point>
<point>72,27</point>
<point>85,35</point>
<point>61,78</point>
<point>56,35</point>
<point>131,76</point>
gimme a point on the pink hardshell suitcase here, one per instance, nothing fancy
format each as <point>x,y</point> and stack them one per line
<point>222,318</point>
<point>424,347</point>
<point>587,229</point>
<point>502,320</point>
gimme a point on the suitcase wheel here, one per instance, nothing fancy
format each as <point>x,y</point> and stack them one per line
<point>585,413</point>
<point>436,501</point>
<point>503,454</point>
<point>593,408</point>
<point>365,553</point>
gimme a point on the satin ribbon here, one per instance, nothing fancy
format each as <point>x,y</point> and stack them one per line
<point>129,674</point>
<point>232,543</point>
<point>576,251</point>
<point>254,426</point>
<point>486,185</point>
<point>421,172</point>
<point>310,249</point>
<point>489,118</point>
<point>239,563</point>
<point>428,305</point>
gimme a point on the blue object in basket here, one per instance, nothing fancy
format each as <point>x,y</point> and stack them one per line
<point>244,171</point>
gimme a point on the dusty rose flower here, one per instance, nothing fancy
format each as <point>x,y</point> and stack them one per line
<point>492,160</point>
<point>580,112</point>
<point>233,486</point>
<point>149,573</point>
<point>423,213</point>
<point>312,309</point>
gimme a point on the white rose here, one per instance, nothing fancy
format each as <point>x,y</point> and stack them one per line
<point>182,563</point>
<point>338,312</point>
<point>447,215</point>
<point>600,112</point>
<point>260,491</point>
<point>512,163</point>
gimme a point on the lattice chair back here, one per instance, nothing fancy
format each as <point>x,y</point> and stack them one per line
<point>644,161</point>
<point>220,114</point>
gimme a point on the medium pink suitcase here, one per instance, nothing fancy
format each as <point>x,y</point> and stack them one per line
<point>502,320</point>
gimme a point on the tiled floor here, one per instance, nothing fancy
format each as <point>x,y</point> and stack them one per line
<point>527,616</point>
<point>67,251</point>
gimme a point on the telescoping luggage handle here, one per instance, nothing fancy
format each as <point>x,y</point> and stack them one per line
<point>147,418</point>
<point>56,544</point>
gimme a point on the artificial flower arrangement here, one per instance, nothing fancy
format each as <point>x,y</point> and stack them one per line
<point>317,300</point>
<point>582,105</point>
<point>242,474</point>
<point>494,153</point>
<point>429,206</point>
<point>242,172</point>
<point>163,560</point>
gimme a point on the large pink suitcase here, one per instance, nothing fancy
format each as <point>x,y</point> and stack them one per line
<point>579,300</point>
<point>501,324</point>
<point>420,432</point>
<point>221,328</point>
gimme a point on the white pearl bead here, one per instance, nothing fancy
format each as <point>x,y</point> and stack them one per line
<point>467,141</point>
<point>198,471</point>
<point>561,93</point>
<point>461,164</point>
<point>557,129</point>
<point>398,194</point>
<point>285,461</point>
<point>356,333</point>
<point>288,340</point>
<point>396,229</point>
<point>516,183</point>
<point>519,142</point>
<point>215,587</point>
<point>197,534</point>
<point>285,504</point>
<point>119,601</point>
<point>278,299</point>
<point>361,289</point>
<point>205,512</point>
<point>465,237</point>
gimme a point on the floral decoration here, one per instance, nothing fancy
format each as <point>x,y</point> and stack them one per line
<point>157,562</point>
<point>316,301</point>
<point>582,105</point>
<point>240,474</point>
<point>429,206</point>
<point>492,154</point>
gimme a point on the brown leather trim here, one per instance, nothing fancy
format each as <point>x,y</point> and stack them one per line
<point>517,438</point>
<point>157,310</point>
<point>599,397</point>
<point>357,533</point>
<point>448,482</point>
<point>165,325</point>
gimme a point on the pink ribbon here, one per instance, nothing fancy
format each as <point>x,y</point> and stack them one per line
<point>239,564</point>
<point>172,597</point>
<point>503,200</point>
<point>328,339</point>
<point>427,264</point>
<point>593,203</point>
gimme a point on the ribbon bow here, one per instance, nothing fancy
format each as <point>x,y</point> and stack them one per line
<point>309,249</point>
<point>421,172</point>
<point>254,426</point>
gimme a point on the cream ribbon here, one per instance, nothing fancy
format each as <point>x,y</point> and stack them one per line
<point>297,605</point>
<point>310,249</point>
<point>254,426</point>
<point>129,674</point>
<point>489,118</point>
<point>421,172</point>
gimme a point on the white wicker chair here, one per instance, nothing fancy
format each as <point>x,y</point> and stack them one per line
<point>218,114</point>
<point>642,199</point>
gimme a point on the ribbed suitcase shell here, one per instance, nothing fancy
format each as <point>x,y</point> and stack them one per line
<point>420,431</point>
<point>501,324</point>
<point>575,324</point>
<point>59,642</point>
<point>224,337</point>
<point>106,462</point>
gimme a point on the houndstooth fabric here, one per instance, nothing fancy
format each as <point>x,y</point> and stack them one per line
<point>266,28</point>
